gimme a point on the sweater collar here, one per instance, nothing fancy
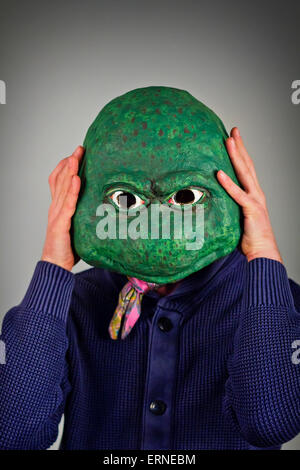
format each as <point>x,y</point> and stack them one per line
<point>198,285</point>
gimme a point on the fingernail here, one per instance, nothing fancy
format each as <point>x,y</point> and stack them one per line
<point>221,173</point>
<point>237,132</point>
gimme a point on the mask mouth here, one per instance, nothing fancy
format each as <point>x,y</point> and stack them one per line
<point>162,275</point>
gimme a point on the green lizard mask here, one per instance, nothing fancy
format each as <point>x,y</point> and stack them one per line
<point>154,146</point>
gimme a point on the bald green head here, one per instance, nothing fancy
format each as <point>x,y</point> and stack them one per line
<point>155,146</point>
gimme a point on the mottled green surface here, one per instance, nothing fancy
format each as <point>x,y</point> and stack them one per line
<point>154,141</point>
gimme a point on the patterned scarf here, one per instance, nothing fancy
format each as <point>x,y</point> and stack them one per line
<point>130,299</point>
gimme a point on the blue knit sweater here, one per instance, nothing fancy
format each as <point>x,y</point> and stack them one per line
<point>213,365</point>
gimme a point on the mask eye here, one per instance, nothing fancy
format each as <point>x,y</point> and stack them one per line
<point>126,200</point>
<point>186,196</point>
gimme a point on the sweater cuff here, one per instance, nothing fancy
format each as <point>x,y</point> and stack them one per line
<point>268,284</point>
<point>50,290</point>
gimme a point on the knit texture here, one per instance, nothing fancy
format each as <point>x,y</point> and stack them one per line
<point>224,370</point>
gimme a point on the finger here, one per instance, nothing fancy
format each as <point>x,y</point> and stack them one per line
<point>235,133</point>
<point>241,169</point>
<point>233,189</point>
<point>63,179</point>
<point>72,197</point>
<point>69,205</point>
<point>79,152</point>
<point>63,182</point>
<point>53,175</point>
<point>75,157</point>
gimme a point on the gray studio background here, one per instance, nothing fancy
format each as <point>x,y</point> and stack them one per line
<point>62,61</point>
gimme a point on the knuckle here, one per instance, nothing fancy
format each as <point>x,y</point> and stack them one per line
<point>68,207</point>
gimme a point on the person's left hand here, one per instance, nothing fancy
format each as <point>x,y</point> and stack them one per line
<point>258,240</point>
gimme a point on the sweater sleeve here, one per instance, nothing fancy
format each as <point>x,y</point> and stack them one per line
<point>263,388</point>
<point>34,375</point>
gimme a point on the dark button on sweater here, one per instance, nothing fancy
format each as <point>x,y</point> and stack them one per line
<point>164,324</point>
<point>158,407</point>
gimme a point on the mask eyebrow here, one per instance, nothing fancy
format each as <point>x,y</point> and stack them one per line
<point>180,179</point>
<point>203,171</point>
<point>136,182</point>
<point>125,175</point>
<point>142,183</point>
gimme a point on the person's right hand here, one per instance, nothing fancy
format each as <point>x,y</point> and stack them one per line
<point>64,186</point>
